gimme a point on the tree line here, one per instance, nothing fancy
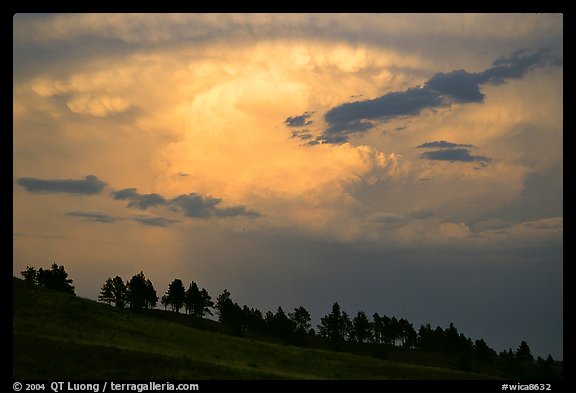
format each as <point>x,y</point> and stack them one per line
<point>54,278</point>
<point>336,328</point>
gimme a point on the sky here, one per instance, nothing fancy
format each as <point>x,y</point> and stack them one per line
<point>405,164</point>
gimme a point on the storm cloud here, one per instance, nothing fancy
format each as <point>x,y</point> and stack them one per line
<point>105,218</point>
<point>299,121</point>
<point>192,205</point>
<point>139,201</point>
<point>154,221</point>
<point>90,185</point>
<point>449,151</point>
<point>442,89</point>
<point>408,102</point>
<point>516,65</point>
<point>198,206</point>
<point>462,155</point>
<point>442,145</point>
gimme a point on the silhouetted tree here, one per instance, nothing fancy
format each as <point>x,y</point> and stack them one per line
<point>30,275</point>
<point>386,333</point>
<point>230,313</point>
<point>192,296</point>
<point>507,362</point>
<point>280,325</point>
<point>198,302</point>
<point>302,320</point>
<point>164,301</point>
<point>407,333</point>
<point>113,291</point>
<point>119,292</point>
<point>151,296</point>
<point>206,303</point>
<point>106,295</point>
<point>424,340</point>
<point>140,293</point>
<point>332,326</point>
<point>439,335</point>
<point>176,295</point>
<point>380,328</point>
<point>346,326</point>
<point>523,353</point>
<point>547,369</point>
<point>269,320</point>
<point>483,353</point>
<point>431,339</point>
<point>456,343</point>
<point>223,305</point>
<point>394,331</point>
<point>524,361</point>
<point>361,328</point>
<point>253,320</point>
<point>56,278</point>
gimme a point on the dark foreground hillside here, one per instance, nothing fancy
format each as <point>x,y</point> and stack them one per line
<point>58,336</point>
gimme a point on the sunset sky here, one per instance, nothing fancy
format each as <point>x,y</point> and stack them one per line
<point>410,165</point>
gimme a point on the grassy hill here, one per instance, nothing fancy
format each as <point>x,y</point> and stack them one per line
<point>58,336</point>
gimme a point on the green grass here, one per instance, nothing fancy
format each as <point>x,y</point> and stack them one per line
<point>57,336</point>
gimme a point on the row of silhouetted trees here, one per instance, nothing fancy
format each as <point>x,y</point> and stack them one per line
<point>55,278</point>
<point>138,293</point>
<point>336,328</point>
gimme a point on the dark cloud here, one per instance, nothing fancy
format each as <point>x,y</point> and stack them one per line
<point>350,127</point>
<point>236,211</point>
<point>90,185</point>
<point>516,65</point>
<point>107,218</point>
<point>311,140</point>
<point>198,206</point>
<point>324,138</point>
<point>456,86</point>
<point>140,201</point>
<point>302,134</point>
<point>192,205</point>
<point>351,117</point>
<point>408,102</point>
<point>94,216</point>
<point>154,221</point>
<point>462,155</point>
<point>195,205</point>
<point>442,89</point>
<point>299,121</point>
<point>442,145</point>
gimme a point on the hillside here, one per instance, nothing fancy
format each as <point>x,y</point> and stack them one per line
<point>58,336</point>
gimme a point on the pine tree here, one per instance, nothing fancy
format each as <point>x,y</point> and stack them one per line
<point>137,292</point>
<point>301,319</point>
<point>332,326</point>
<point>176,295</point>
<point>198,302</point>
<point>30,275</point>
<point>361,327</point>
<point>56,278</point>
<point>107,292</point>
